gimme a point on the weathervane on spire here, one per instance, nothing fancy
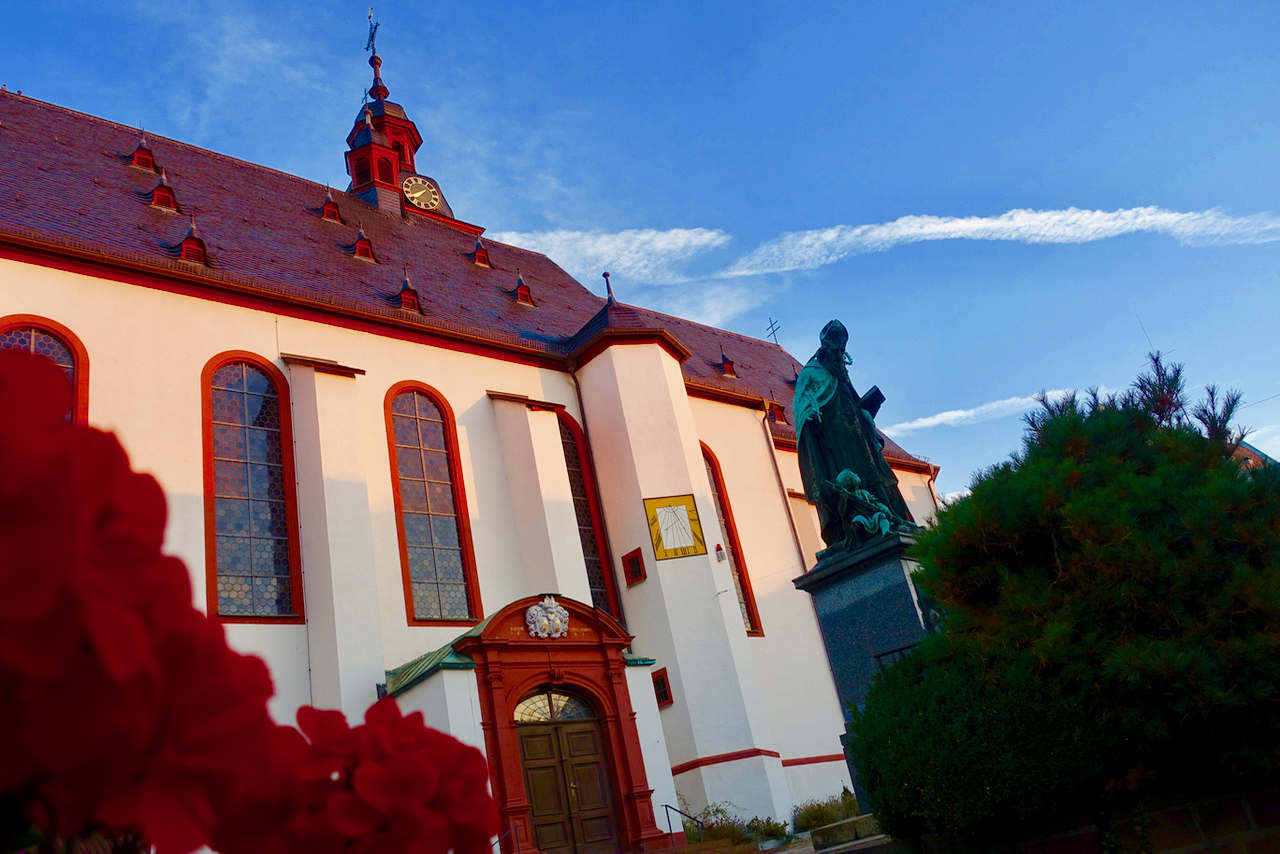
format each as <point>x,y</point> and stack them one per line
<point>373,34</point>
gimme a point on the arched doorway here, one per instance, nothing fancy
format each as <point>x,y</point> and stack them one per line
<point>566,775</point>
<point>586,663</point>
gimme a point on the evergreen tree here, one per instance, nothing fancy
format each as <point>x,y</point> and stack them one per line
<point>1113,620</point>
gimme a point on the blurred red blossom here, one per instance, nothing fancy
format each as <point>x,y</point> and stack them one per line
<point>124,712</point>
<point>388,785</point>
<point>120,704</point>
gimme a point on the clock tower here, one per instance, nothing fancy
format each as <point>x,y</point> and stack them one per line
<point>380,158</point>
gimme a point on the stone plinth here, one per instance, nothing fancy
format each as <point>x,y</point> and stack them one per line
<point>869,615</point>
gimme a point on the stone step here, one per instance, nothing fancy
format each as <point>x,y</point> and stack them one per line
<point>843,832</point>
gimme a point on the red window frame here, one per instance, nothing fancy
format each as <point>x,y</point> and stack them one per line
<point>597,515</point>
<point>79,357</point>
<point>756,628</point>
<point>459,502</point>
<point>362,174</point>
<point>636,555</point>
<point>660,677</point>
<point>290,492</point>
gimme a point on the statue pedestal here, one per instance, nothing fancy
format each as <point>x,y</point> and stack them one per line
<point>868,612</point>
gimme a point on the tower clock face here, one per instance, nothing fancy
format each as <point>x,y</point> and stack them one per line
<point>420,193</point>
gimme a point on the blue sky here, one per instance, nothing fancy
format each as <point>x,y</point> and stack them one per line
<point>995,198</point>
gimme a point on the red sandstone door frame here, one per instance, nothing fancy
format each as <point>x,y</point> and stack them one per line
<point>511,665</point>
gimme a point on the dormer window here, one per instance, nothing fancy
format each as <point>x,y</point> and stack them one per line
<point>330,211</point>
<point>192,248</point>
<point>162,197</point>
<point>777,413</point>
<point>482,255</point>
<point>523,294</point>
<point>364,249</point>
<point>362,172</point>
<point>143,158</point>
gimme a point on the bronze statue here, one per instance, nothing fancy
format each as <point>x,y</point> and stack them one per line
<point>836,435</point>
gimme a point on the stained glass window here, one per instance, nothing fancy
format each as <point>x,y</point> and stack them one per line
<point>730,542</point>
<point>552,706</point>
<point>591,552</point>
<point>429,520</point>
<point>251,527</point>
<point>32,339</point>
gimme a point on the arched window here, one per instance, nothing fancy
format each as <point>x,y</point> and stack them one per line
<point>251,517</point>
<point>440,583</point>
<point>56,342</point>
<point>590,529</point>
<point>732,548</point>
<point>362,172</point>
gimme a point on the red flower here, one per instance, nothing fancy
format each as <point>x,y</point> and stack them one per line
<point>389,785</point>
<point>120,704</point>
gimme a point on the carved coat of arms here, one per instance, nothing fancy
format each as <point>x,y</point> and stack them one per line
<point>547,619</point>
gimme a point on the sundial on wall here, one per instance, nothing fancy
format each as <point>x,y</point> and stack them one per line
<point>674,527</point>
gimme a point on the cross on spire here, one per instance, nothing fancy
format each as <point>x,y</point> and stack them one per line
<point>371,45</point>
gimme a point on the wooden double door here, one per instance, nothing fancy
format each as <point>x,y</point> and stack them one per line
<point>566,777</point>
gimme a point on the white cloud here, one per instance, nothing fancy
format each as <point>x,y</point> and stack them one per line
<point>986,412</point>
<point>709,303</point>
<point>644,255</point>
<point>804,250</point>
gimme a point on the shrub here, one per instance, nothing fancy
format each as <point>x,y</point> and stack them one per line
<point>820,813</point>
<point>720,821</point>
<point>1112,617</point>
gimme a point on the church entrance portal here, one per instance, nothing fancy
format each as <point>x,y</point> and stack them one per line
<point>564,754</point>
<point>566,775</point>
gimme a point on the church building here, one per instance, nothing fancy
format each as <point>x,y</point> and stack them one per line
<point>403,459</point>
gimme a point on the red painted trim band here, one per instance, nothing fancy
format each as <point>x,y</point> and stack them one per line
<point>719,758</point>
<point>813,760</point>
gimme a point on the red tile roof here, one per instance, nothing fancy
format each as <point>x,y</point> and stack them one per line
<point>68,181</point>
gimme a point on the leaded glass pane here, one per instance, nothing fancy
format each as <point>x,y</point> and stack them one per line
<point>257,382</point>
<point>586,525</point>
<point>51,348</point>
<point>535,709</point>
<point>230,376</point>
<point>32,340</point>
<point>729,550</point>
<point>250,510</point>
<point>417,529</point>
<point>428,513</point>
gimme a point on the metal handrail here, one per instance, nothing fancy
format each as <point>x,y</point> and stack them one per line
<point>510,830</point>
<point>670,809</point>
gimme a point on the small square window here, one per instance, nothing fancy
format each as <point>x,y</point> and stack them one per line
<point>662,688</point>
<point>633,567</point>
